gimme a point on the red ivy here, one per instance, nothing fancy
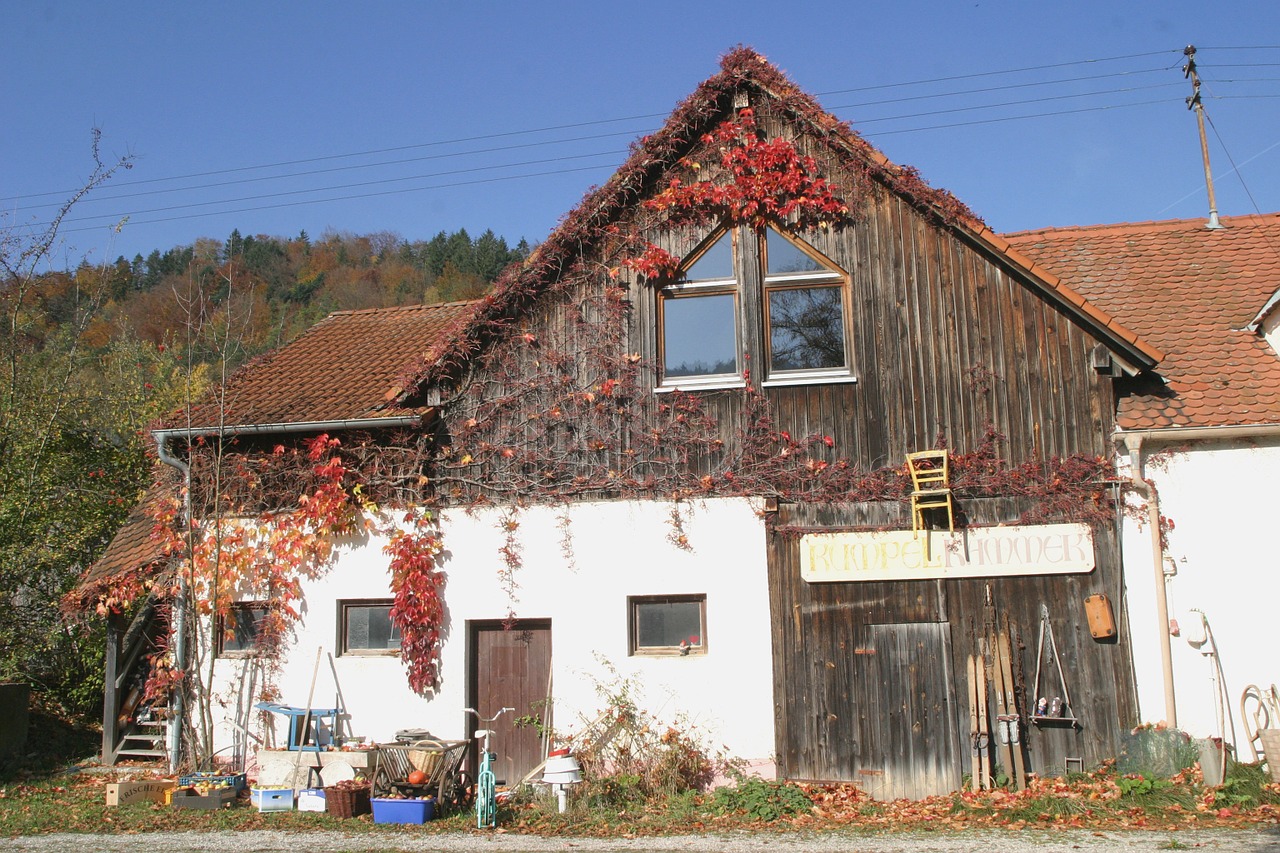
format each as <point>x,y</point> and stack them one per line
<point>768,180</point>
<point>419,604</point>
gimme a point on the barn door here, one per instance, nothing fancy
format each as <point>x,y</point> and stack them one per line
<point>510,667</point>
<point>908,745</point>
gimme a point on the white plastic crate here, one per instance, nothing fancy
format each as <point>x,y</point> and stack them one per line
<point>273,799</point>
<point>311,800</point>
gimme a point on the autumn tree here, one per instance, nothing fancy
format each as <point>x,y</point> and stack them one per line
<point>72,404</point>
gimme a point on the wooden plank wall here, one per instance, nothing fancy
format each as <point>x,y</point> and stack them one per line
<point>816,665</point>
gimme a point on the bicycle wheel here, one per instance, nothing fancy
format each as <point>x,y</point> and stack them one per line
<point>486,801</point>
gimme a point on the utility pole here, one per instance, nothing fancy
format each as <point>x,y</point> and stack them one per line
<point>1193,103</point>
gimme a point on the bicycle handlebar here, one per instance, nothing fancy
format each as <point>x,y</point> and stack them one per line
<point>490,719</point>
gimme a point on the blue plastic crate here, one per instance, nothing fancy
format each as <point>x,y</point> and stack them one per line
<point>387,810</point>
<point>235,780</point>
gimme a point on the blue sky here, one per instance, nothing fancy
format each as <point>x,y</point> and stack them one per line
<point>417,117</point>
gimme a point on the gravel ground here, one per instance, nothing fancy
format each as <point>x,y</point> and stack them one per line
<point>1241,841</point>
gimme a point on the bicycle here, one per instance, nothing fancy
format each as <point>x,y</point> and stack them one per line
<point>486,782</point>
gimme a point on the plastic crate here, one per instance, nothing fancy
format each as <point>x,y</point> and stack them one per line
<point>272,799</point>
<point>311,800</point>
<point>387,810</point>
<point>235,780</point>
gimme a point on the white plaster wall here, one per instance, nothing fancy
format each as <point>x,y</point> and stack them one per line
<point>618,549</point>
<point>1218,497</point>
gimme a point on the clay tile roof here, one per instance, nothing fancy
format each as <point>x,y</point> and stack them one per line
<point>353,365</point>
<point>1190,291</point>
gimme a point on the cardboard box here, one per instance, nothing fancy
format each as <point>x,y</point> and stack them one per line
<point>272,799</point>
<point>218,798</point>
<point>402,811</point>
<point>312,800</point>
<point>139,791</point>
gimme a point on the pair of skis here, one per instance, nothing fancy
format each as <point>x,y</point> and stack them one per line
<point>1008,737</point>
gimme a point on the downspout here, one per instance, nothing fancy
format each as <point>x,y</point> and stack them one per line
<point>1134,445</point>
<point>179,606</point>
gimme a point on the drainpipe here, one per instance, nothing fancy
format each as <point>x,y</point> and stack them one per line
<point>162,438</point>
<point>179,627</point>
<point>1134,445</point>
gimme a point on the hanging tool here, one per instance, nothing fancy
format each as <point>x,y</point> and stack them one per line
<point>1059,711</point>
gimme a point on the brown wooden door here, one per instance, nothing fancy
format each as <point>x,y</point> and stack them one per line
<point>510,667</point>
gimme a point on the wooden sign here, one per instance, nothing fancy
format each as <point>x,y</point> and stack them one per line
<point>152,790</point>
<point>977,552</point>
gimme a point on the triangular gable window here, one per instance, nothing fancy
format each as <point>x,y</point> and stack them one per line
<point>801,301</point>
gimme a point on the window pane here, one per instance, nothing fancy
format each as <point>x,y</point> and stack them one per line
<point>699,335</point>
<point>806,328</point>
<point>668,624</point>
<point>786,257</point>
<point>369,626</point>
<point>245,620</point>
<point>715,263</point>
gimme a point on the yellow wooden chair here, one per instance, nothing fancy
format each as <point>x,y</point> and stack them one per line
<point>930,472</point>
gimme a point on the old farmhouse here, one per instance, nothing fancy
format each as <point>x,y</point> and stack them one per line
<point>669,454</point>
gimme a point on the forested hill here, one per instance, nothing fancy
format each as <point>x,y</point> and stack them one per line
<point>90,358</point>
<point>278,287</point>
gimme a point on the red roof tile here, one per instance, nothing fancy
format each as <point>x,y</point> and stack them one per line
<point>1190,291</point>
<point>352,365</point>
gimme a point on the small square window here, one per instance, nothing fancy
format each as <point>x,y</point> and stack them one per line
<point>238,633</point>
<point>365,628</point>
<point>668,624</point>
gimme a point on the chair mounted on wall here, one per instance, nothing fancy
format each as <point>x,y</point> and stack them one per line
<point>930,472</point>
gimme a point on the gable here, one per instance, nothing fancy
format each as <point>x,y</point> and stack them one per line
<point>598,229</point>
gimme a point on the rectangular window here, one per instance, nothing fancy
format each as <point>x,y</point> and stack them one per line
<point>806,329</point>
<point>667,624</point>
<point>365,628</point>
<point>804,312</point>
<point>699,335</point>
<point>238,634</point>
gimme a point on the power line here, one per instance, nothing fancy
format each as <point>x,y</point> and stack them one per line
<point>284,193</point>
<point>356,196</point>
<point>571,125</point>
<point>116,217</point>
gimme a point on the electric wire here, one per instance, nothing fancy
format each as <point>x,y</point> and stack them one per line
<point>571,125</point>
<point>862,123</point>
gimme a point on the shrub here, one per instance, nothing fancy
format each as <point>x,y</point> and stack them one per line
<point>761,799</point>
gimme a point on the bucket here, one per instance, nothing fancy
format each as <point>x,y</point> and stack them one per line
<point>562,771</point>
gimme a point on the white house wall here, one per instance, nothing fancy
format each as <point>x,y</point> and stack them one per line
<point>1223,548</point>
<point>619,549</point>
